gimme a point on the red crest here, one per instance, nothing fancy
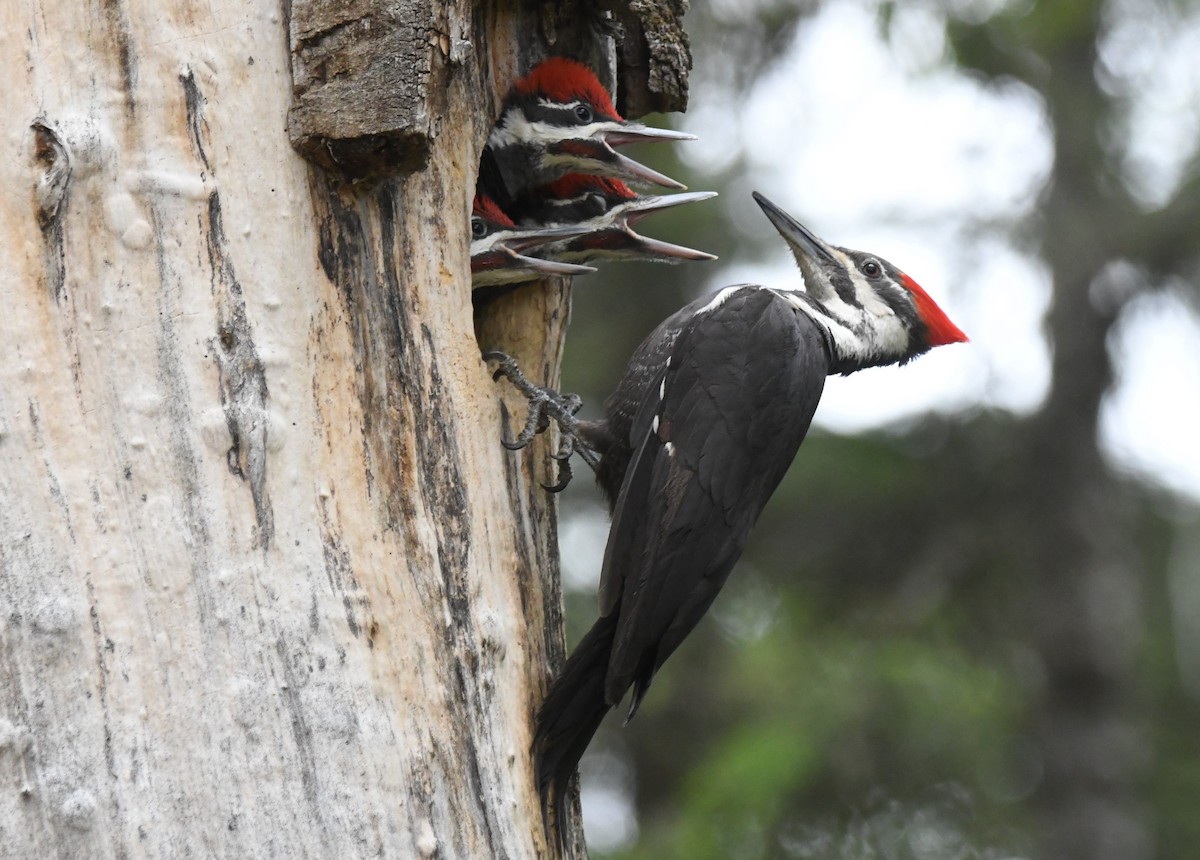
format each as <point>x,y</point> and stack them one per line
<point>563,80</point>
<point>485,207</point>
<point>940,330</point>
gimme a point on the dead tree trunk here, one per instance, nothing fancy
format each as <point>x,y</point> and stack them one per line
<point>269,585</point>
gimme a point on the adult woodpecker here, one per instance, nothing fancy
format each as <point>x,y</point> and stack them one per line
<point>497,243</point>
<point>711,410</point>
<point>556,120</point>
<point>605,211</point>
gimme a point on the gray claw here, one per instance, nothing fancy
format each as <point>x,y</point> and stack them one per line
<point>545,405</point>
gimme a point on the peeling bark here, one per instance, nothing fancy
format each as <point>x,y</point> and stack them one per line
<point>364,80</point>
<point>654,56</point>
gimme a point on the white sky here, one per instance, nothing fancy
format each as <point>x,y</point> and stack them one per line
<point>886,150</point>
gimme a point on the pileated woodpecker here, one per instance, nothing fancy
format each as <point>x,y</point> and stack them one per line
<point>711,410</point>
<point>556,120</point>
<point>497,243</point>
<point>604,211</point>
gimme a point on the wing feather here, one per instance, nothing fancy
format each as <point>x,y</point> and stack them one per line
<point>737,397</point>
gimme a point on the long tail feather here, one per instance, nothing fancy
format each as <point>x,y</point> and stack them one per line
<point>567,720</point>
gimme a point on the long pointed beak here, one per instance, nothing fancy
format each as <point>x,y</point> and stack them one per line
<point>666,252</point>
<point>523,240</point>
<point>502,265</point>
<point>551,267</point>
<point>638,172</point>
<point>596,155</point>
<point>637,133</point>
<point>619,243</point>
<point>501,260</point>
<point>633,132</point>
<point>804,242</point>
<point>643,206</point>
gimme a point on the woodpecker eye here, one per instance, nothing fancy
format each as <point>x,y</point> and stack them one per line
<point>583,113</point>
<point>871,269</point>
<point>478,228</point>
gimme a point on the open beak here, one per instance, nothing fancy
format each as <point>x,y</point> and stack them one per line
<point>653,249</point>
<point>611,236</point>
<point>606,161</point>
<point>665,252</point>
<point>617,240</point>
<point>643,206</point>
<point>637,172</point>
<point>633,132</point>
<point>620,243</point>
<point>499,258</point>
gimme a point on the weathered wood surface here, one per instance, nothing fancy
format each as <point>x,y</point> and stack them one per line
<point>270,587</point>
<point>654,56</point>
<point>362,72</point>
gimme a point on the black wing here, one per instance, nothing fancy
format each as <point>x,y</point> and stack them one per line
<point>711,442</point>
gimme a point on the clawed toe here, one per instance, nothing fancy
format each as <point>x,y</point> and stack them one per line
<point>545,405</point>
<point>564,476</point>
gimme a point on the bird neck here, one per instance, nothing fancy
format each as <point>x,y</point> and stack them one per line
<point>857,337</point>
<point>517,167</point>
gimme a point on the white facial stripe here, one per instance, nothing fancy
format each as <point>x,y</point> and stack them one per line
<point>842,258</point>
<point>555,159</point>
<point>515,127</point>
<point>870,331</point>
<point>871,301</point>
<point>861,334</point>
<point>872,334</point>
<point>550,131</point>
<point>550,103</point>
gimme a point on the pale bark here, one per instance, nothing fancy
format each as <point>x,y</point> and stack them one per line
<point>269,585</point>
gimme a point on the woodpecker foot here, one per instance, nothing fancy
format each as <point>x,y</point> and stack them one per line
<point>546,405</point>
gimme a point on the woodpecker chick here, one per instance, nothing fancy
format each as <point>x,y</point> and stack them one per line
<point>712,408</point>
<point>605,211</point>
<point>497,243</point>
<point>559,119</point>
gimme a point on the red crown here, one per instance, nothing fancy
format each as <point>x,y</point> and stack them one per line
<point>485,207</point>
<point>940,329</point>
<point>563,80</point>
<point>574,184</point>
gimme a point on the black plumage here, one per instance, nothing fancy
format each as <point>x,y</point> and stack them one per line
<point>708,416</point>
<point>687,476</point>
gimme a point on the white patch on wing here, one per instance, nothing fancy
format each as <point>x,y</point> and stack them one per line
<point>797,299</point>
<point>720,298</point>
<point>670,446</point>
